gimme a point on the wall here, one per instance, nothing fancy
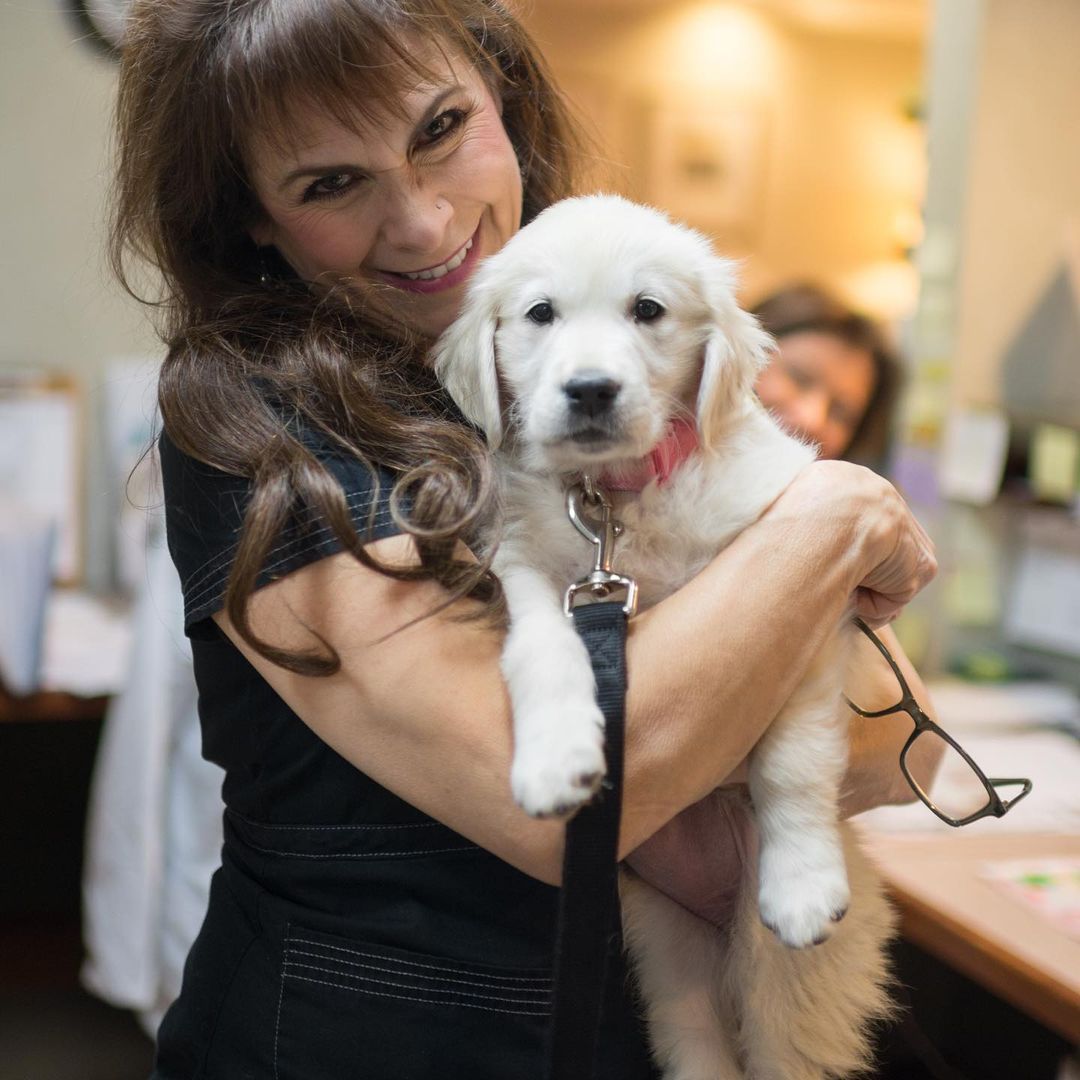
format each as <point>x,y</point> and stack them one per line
<point>59,307</point>
<point>57,303</point>
<point>843,167</point>
<point>1024,167</point>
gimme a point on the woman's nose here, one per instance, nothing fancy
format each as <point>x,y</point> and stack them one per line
<point>416,218</point>
<point>809,412</point>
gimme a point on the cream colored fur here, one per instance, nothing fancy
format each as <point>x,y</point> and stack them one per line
<point>741,1002</point>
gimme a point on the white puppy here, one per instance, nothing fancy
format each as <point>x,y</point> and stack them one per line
<point>604,338</point>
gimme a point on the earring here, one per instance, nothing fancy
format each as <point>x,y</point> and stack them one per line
<point>265,279</point>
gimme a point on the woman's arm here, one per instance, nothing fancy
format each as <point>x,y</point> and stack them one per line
<point>423,711</point>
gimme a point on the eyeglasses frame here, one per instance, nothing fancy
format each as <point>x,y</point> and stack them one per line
<point>996,806</point>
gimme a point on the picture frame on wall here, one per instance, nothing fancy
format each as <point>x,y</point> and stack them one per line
<point>707,166</point>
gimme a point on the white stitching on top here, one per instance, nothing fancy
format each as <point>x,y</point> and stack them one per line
<point>467,978</point>
<point>219,563</point>
<point>546,979</point>
<point>352,500</point>
<point>426,1001</point>
<point>222,559</point>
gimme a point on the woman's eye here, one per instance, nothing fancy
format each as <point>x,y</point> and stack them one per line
<point>803,380</point>
<point>646,310</point>
<point>541,314</point>
<point>329,187</point>
<point>444,124</point>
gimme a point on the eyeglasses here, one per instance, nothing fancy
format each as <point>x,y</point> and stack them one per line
<point>964,793</point>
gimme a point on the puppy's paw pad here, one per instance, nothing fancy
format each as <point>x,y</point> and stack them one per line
<point>804,909</point>
<point>554,776</point>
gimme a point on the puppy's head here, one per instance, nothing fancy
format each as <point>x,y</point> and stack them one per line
<point>591,329</point>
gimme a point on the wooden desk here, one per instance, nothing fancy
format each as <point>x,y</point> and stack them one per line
<point>50,706</point>
<point>48,742</point>
<point>950,911</point>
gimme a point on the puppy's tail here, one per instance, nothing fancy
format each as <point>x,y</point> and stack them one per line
<point>808,1014</point>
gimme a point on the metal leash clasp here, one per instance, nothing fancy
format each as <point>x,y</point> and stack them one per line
<point>589,510</point>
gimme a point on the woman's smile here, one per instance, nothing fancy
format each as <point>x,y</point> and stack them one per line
<point>445,275</point>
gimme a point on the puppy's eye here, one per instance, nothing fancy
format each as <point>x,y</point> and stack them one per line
<point>646,310</point>
<point>541,313</point>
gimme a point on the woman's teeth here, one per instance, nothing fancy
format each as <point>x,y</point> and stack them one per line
<point>444,269</point>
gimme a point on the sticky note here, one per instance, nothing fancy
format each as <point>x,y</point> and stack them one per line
<point>973,572</point>
<point>972,596</point>
<point>1054,463</point>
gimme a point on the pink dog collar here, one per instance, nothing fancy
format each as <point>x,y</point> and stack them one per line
<point>665,457</point>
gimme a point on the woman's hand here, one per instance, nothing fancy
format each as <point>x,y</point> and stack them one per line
<point>897,557</point>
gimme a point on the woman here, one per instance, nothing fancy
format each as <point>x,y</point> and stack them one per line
<point>316,181</point>
<point>834,377</point>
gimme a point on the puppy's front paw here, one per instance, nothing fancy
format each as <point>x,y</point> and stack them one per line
<point>561,766</point>
<point>802,903</point>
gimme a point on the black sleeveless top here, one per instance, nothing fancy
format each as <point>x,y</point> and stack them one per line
<point>348,935</point>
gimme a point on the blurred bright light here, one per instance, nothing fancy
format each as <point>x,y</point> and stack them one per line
<point>716,45</point>
<point>888,290</point>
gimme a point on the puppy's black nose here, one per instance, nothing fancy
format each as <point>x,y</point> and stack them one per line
<point>591,393</point>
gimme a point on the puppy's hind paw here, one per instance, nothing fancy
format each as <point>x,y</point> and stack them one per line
<point>553,776</point>
<point>804,911</point>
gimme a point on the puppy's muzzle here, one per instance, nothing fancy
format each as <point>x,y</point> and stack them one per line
<point>591,395</point>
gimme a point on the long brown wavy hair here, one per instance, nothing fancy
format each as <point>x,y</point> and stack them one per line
<point>246,350</point>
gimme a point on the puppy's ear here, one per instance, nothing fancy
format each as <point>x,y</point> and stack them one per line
<point>735,351</point>
<point>464,358</point>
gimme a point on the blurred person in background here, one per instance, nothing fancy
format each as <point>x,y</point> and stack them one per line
<point>834,377</point>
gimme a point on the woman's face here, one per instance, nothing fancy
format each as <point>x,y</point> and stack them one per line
<point>818,386</point>
<point>411,203</point>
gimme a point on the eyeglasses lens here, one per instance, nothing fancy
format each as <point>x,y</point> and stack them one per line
<point>957,789</point>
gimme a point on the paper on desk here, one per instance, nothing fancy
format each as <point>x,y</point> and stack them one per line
<point>1050,759</point>
<point>27,543</point>
<point>1020,705</point>
<point>87,644</point>
<point>1044,608</point>
<point>1050,887</point>
<point>39,465</point>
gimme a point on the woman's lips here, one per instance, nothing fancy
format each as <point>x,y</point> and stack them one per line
<point>438,284</point>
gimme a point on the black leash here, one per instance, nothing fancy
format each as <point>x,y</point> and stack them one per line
<point>589,899</point>
<point>588,929</point>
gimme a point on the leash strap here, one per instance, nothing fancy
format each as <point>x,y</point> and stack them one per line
<point>588,929</point>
